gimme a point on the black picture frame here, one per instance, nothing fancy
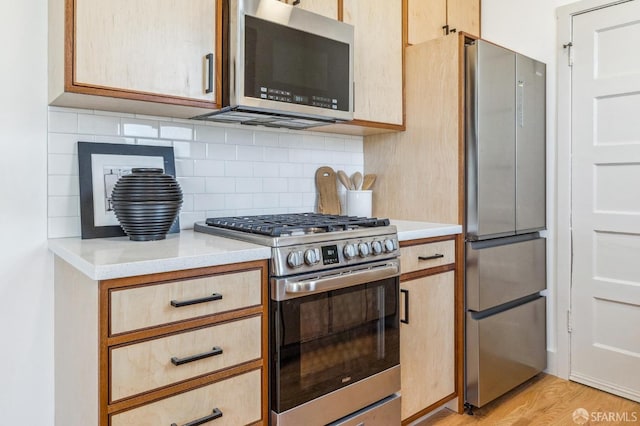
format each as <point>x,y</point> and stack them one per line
<point>95,223</point>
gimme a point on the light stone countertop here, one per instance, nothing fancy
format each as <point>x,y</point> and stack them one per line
<point>411,230</point>
<point>107,258</point>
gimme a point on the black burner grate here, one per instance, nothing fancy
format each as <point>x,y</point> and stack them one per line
<point>293,224</point>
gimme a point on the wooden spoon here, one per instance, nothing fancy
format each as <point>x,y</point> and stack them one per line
<point>356,178</point>
<point>368,181</point>
<point>344,179</point>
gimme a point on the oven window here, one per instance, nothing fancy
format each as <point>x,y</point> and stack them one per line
<point>288,65</point>
<point>326,341</point>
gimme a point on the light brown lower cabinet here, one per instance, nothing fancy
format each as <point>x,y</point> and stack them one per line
<point>182,347</point>
<point>430,326</point>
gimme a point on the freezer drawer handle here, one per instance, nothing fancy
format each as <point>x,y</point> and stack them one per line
<point>216,414</point>
<point>179,304</point>
<point>406,306</point>
<point>435,256</point>
<point>217,350</point>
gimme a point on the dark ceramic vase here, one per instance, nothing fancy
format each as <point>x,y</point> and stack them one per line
<point>146,203</point>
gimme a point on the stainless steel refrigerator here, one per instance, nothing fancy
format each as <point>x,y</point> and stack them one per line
<point>505,267</point>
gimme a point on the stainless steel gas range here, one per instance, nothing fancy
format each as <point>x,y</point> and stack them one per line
<point>334,315</point>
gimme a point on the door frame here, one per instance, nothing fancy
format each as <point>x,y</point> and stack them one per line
<point>564,16</point>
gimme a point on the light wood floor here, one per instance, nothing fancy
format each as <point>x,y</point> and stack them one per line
<point>544,400</point>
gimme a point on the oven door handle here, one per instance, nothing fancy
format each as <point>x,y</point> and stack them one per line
<point>337,281</point>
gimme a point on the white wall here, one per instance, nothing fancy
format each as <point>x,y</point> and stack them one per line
<point>529,27</point>
<point>26,291</point>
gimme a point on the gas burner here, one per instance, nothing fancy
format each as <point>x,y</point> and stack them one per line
<point>294,224</point>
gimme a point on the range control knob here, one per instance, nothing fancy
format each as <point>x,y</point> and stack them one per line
<point>350,251</point>
<point>376,247</point>
<point>389,245</point>
<point>311,257</point>
<point>363,248</point>
<point>294,259</point>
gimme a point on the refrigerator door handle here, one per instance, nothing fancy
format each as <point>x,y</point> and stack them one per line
<point>520,103</point>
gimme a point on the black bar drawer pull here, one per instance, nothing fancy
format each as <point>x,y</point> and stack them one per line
<point>406,306</point>
<point>435,256</point>
<point>179,304</point>
<point>216,414</point>
<point>217,350</point>
<point>209,88</point>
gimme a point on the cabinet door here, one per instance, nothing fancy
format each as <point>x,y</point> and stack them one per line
<point>425,19</point>
<point>464,15</point>
<point>377,60</point>
<point>150,46</point>
<point>427,341</point>
<point>328,8</point>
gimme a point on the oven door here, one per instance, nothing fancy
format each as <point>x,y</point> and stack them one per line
<point>327,336</point>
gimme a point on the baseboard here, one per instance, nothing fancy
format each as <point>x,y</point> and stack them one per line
<point>606,386</point>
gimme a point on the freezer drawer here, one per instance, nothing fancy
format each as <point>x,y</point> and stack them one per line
<point>501,270</point>
<point>504,350</point>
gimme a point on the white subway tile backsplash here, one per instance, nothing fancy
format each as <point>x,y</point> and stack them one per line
<point>238,168</point>
<point>223,169</point>
<point>265,169</point>
<point>239,137</point>
<point>63,206</point>
<point>219,151</point>
<point>220,185</point>
<point>275,184</point>
<point>278,155</point>
<point>63,185</point>
<point>301,185</point>
<point>334,144</point>
<point>238,201</point>
<point>248,185</point>
<point>191,185</point>
<point>187,219</point>
<point>290,199</point>
<point>99,124</point>
<point>250,153</point>
<point>63,164</point>
<point>140,128</point>
<point>63,122</point>
<point>175,130</point>
<point>265,138</point>
<point>208,201</point>
<point>66,143</point>
<point>290,140</point>
<point>184,167</point>
<point>205,133</point>
<point>266,201</point>
<point>61,227</point>
<point>209,168</point>
<point>292,170</point>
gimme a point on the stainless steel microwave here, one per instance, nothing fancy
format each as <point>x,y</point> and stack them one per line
<point>284,66</point>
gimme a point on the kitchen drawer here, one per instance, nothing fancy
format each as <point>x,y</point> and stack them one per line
<point>148,365</point>
<point>148,306</point>
<point>436,254</point>
<point>238,399</point>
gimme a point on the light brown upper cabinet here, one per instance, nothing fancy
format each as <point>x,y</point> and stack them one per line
<point>378,73</point>
<point>328,8</point>
<point>149,56</point>
<point>429,19</point>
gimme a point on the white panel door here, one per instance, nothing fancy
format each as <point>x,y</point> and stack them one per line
<point>605,293</point>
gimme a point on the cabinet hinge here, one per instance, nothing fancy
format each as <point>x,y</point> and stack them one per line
<point>568,47</point>
<point>569,327</point>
